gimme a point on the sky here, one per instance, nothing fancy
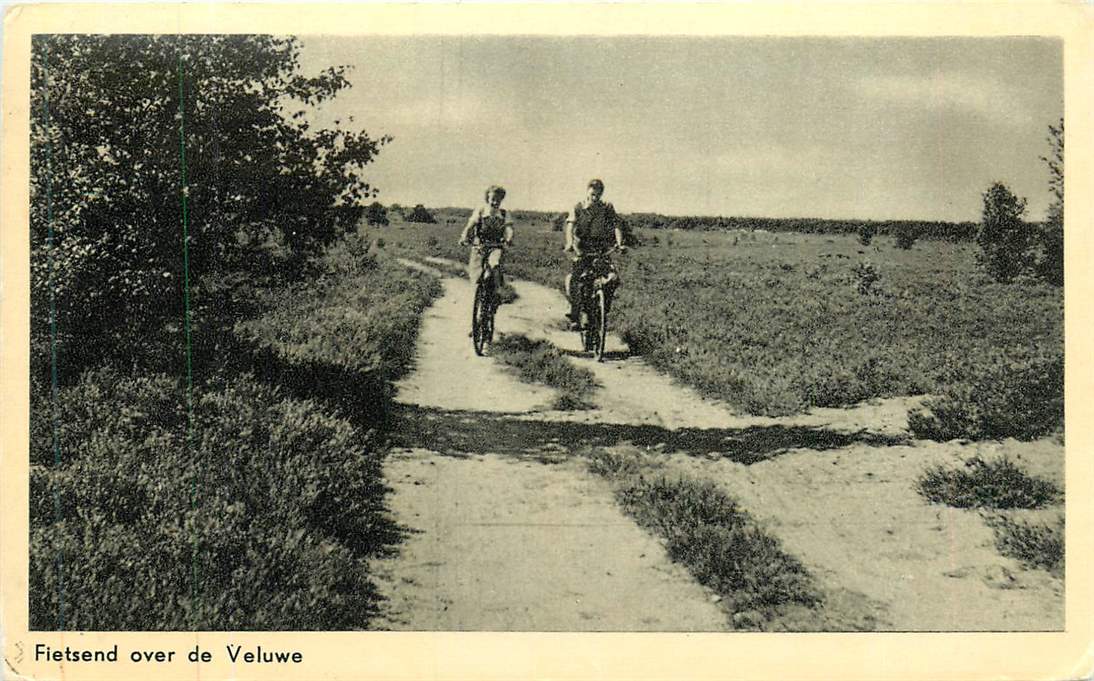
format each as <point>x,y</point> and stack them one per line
<point>737,126</point>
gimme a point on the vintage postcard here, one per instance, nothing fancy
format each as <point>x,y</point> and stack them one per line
<point>571,341</point>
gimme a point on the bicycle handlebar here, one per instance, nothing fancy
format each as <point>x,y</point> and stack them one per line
<point>597,254</point>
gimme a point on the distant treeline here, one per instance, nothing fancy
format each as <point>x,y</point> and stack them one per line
<point>922,229</point>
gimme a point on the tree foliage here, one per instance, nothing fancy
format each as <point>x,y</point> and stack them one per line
<point>1004,237</point>
<point>420,214</point>
<point>1051,265</point>
<point>376,214</point>
<point>136,139</point>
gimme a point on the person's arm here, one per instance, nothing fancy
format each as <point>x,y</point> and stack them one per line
<point>471,222</point>
<point>508,229</point>
<point>568,231</point>
<point>617,223</point>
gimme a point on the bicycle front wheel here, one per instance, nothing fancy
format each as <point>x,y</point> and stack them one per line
<point>478,319</point>
<point>601,327</point>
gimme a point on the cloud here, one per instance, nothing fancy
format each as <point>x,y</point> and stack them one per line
<point>979,94</point>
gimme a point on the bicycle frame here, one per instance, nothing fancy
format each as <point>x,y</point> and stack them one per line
<point>485,301</point>
<point>594,301</point>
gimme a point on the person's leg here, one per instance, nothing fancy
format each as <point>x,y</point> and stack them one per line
<point>611,285</point>
<point>575,291</point>
<point>495,266</point>
<point>474,266</point>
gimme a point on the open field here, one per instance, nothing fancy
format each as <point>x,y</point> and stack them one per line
<point>811,522</point>
<point>775,323</point>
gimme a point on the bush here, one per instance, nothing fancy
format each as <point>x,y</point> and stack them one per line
<point>866,277</point>
<point>1034,544</point>
<point>1014,393</point>
<point>271,503</point>
<point>341,339</point>
<point>420,214</point>
<point>1050,267</point>
<point>376,214</point>
<point>986,484</point>
<point>906,238</point>
<point>866,233</point>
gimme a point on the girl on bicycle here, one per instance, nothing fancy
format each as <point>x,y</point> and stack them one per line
<point>488,231</point>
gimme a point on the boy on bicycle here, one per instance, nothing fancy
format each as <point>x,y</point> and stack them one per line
<point>591,227</point>
<point>488,230</point>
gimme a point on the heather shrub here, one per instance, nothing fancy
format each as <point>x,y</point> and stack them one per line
<point>341,339</point>
<point>866,233</point>
<point>1038,545</point>
<point>270,503</point>
<point>866,276</point>
<point>906,237</point>
<point>719,543</point>
<point>986,484</point>
<point>1011,393</point>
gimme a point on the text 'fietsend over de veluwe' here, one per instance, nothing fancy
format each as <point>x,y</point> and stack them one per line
<point>235,653</point>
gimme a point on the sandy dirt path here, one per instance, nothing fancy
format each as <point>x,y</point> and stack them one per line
<point>511,543</point>
<point>835,485</point>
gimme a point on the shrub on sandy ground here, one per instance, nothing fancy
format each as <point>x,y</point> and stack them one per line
<point>537,361</point>
<point>1013,393</point>
<point>343,337</point>
<point>258,514</point>
<point>986,484</point>
<point>1037,545</point>
<point>719,543</point>
<point>259,517</point>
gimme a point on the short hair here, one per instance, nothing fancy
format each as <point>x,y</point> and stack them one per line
<point>597,183</point>
<point>494,189</point>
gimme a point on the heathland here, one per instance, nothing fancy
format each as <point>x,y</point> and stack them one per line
<point>777,322</point>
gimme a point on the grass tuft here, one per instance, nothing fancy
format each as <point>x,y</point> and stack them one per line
<point>986,484</point>
<point>1035,545</point>
<point>719,543</point>
<point>537,361</point>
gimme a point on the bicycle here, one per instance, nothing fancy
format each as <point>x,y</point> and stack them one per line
<point>486,301</point>
<point>598,284</point>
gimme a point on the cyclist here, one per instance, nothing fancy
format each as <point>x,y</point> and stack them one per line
<point>592,226</point>
<point>488,224</point>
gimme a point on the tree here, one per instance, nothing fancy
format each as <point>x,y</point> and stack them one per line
<point>376,214</point>
<point>1051,265</point>
<point>420,214</point>
<point>138,140</point>
<point>1004,238</point>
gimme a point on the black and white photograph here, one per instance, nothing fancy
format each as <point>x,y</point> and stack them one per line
<point>545,333</point>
